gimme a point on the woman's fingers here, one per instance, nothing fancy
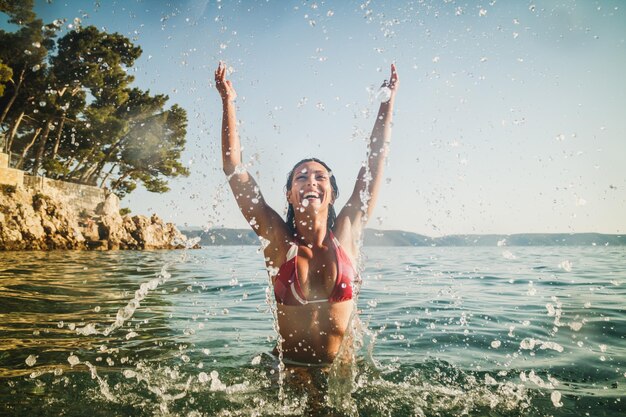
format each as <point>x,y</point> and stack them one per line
<point>394,80</point>
<point>220,72</point>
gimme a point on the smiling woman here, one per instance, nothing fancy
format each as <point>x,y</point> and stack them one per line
<point>310,256</point>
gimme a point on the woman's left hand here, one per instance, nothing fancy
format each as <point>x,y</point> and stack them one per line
<point>394,81</point>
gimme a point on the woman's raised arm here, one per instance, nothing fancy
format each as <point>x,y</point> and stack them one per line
<point>262,218</point>
<point>361,203</point>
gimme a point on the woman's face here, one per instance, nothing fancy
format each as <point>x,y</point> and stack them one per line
<point>311,189</point>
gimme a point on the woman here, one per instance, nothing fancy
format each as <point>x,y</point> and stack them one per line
<point>311,256</point>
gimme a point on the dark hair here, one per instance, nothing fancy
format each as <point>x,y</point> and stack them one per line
<point>291,217</point>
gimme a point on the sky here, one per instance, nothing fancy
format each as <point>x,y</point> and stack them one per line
<point>510,116</point>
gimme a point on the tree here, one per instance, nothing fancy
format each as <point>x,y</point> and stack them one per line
<point>75,116</point>
<point>152,152</point>
<point>19,11</point>
<point>25,52</point>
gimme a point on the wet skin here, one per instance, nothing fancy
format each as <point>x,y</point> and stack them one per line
<point>313,332</point>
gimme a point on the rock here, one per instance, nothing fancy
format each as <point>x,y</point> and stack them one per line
<point>33,221</point>
<point>90,230</point>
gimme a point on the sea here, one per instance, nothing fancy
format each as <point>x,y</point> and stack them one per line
<point>439,331</point>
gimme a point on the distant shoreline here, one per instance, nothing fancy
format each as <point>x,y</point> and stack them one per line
<point>374,237</point>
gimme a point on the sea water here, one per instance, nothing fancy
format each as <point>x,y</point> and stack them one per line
<point>498,331</point>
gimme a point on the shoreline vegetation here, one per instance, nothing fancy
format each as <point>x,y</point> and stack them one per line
<point>374,237</point>
<point>71,115</point>
<point>69,109</point>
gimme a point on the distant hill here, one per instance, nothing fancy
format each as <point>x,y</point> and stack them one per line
<point>373,237</point>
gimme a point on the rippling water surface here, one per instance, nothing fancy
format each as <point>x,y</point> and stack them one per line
<point>446,331</point>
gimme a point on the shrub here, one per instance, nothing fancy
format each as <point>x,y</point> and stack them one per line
<point>8,189</point>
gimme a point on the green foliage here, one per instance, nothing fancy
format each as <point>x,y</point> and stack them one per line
<point>39,200</point>
<point>74,115</point>
<point>5,75</point>
<point>8,189</point>
<point>124,211</point>
<point>19,11</point>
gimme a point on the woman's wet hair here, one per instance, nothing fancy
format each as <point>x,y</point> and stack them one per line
<point>332,216</point>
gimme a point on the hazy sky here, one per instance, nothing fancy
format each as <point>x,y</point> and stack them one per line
<point>511,115</point>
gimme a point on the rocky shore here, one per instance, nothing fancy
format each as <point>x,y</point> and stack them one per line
<point>35,221</point>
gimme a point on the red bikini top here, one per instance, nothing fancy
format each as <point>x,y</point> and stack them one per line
<point>287,288</point>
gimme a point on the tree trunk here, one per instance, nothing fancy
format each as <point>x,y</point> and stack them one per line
<point>95,173</point>
<point>42,147</point>
<point>80,163</point>
<point>107,176</point>
<point>57,140</point>
<point>16,125</point>
<point>118,182</point>
<point>14,96</point>
<point>27,148</point>
<point>87,175</point>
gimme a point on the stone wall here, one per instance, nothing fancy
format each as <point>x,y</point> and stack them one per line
<point>38,213</point>
<point>82,197</point>
<point>10,176</point>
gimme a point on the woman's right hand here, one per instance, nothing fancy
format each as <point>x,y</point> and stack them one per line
<point>224,86</point>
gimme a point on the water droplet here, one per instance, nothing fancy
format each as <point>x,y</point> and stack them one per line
<point>527,343</point>
<point>73,360</point>
<point>489,380</point>
<point>31,360</point>
<point>508,255</point>
<point>383,95</point>
<point>496,344</point>
<point>566,266</point>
